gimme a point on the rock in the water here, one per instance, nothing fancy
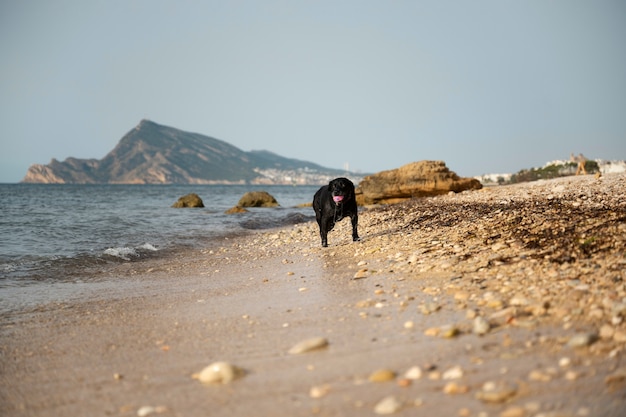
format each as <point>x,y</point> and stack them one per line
<point>189,200</point>
<point>257,199</point>
<point>236,210</point>
<point>417,179</point>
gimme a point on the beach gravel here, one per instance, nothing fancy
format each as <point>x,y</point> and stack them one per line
<point>515,295</point>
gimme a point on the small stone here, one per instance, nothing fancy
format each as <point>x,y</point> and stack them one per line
<point>382,375</point>
<point>309,345</point>
<point>619,336</point>
<point>409,324</point>
<point>432,331</point>
<point>452,388</point>
<point>514,411</point>
<point>480,326</point>
<point>404,382</point>
<point>361,273</point>
<point>582,340</point>
<point>388,405</point>
<point>493,392</point>
<point>565,362</point>
<point>606,331</point>
<point>146,410</point>
<point>616,377</point>
<point>453,373</point>
<point>537,375</point>
<point>219,372</point>
<point>572,375</point>
<point>319,391</point>
<point>414,372</point>
<point>448,332</point>
<point>519,300</point>
<point>462,296</point>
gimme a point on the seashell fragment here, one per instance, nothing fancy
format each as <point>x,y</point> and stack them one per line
<point>308,345</point>
<point>219,372</point>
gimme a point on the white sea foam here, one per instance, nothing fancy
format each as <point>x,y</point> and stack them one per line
<point>123,253</point>
<point>148,246</point>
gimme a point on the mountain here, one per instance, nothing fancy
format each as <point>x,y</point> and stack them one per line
<point>155,154</point>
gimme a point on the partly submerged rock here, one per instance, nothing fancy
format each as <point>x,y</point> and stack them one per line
<point>189,200</point>
<point>236,210</point>
<point>257,199</point>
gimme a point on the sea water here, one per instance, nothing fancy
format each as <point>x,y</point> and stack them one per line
<point>63,233</point>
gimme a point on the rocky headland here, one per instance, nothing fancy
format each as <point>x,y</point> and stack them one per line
<point>152,153</point>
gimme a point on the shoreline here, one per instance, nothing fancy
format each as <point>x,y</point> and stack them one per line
<point>543,263</point>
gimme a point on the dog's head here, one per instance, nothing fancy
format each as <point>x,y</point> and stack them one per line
<point>341,190</point>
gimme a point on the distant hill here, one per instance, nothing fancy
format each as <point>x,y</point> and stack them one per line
<point>156,154</point>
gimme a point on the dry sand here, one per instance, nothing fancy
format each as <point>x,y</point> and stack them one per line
<point>509,301</point>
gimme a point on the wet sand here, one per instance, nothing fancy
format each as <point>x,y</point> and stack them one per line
<point>543,263</point>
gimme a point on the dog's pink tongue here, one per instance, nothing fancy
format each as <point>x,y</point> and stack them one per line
<point>337,198</point>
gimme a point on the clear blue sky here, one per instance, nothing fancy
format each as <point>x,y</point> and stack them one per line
<point>486,86</point>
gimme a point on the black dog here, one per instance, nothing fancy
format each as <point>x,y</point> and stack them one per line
<point>332,203</point>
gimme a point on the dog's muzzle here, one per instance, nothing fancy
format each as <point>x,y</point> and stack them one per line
<point>337,198</point>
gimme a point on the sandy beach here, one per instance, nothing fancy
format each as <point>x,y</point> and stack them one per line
<point>508,301</point>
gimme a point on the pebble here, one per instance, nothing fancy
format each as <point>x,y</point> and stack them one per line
<point>493,392</point>
<point>146,410</point>
<point>480,326</point>
<point>308,345</point>
<point>361,273</point>
<point>319,391</point>
<point>219,372</point>
<point>414,372</point>
<point>582,340</point>
<point>388,405</point>
<point>513,411</point>
<point>448,332</point>
<point>453,373</point>
<point>453,388</point>
<point>382,375</point>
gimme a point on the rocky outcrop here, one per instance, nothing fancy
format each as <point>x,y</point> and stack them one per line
<point>189,200</point>
<point>257,199</point>
<point>417,179</point>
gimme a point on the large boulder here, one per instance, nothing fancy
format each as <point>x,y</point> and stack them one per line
<point>417,179</point>
<point>257,199</point>
<point>189,200</point>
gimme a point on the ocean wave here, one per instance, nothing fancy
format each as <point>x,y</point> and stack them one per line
<point>127,253</point>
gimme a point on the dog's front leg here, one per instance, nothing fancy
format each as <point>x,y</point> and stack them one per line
<point>355,220</point>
